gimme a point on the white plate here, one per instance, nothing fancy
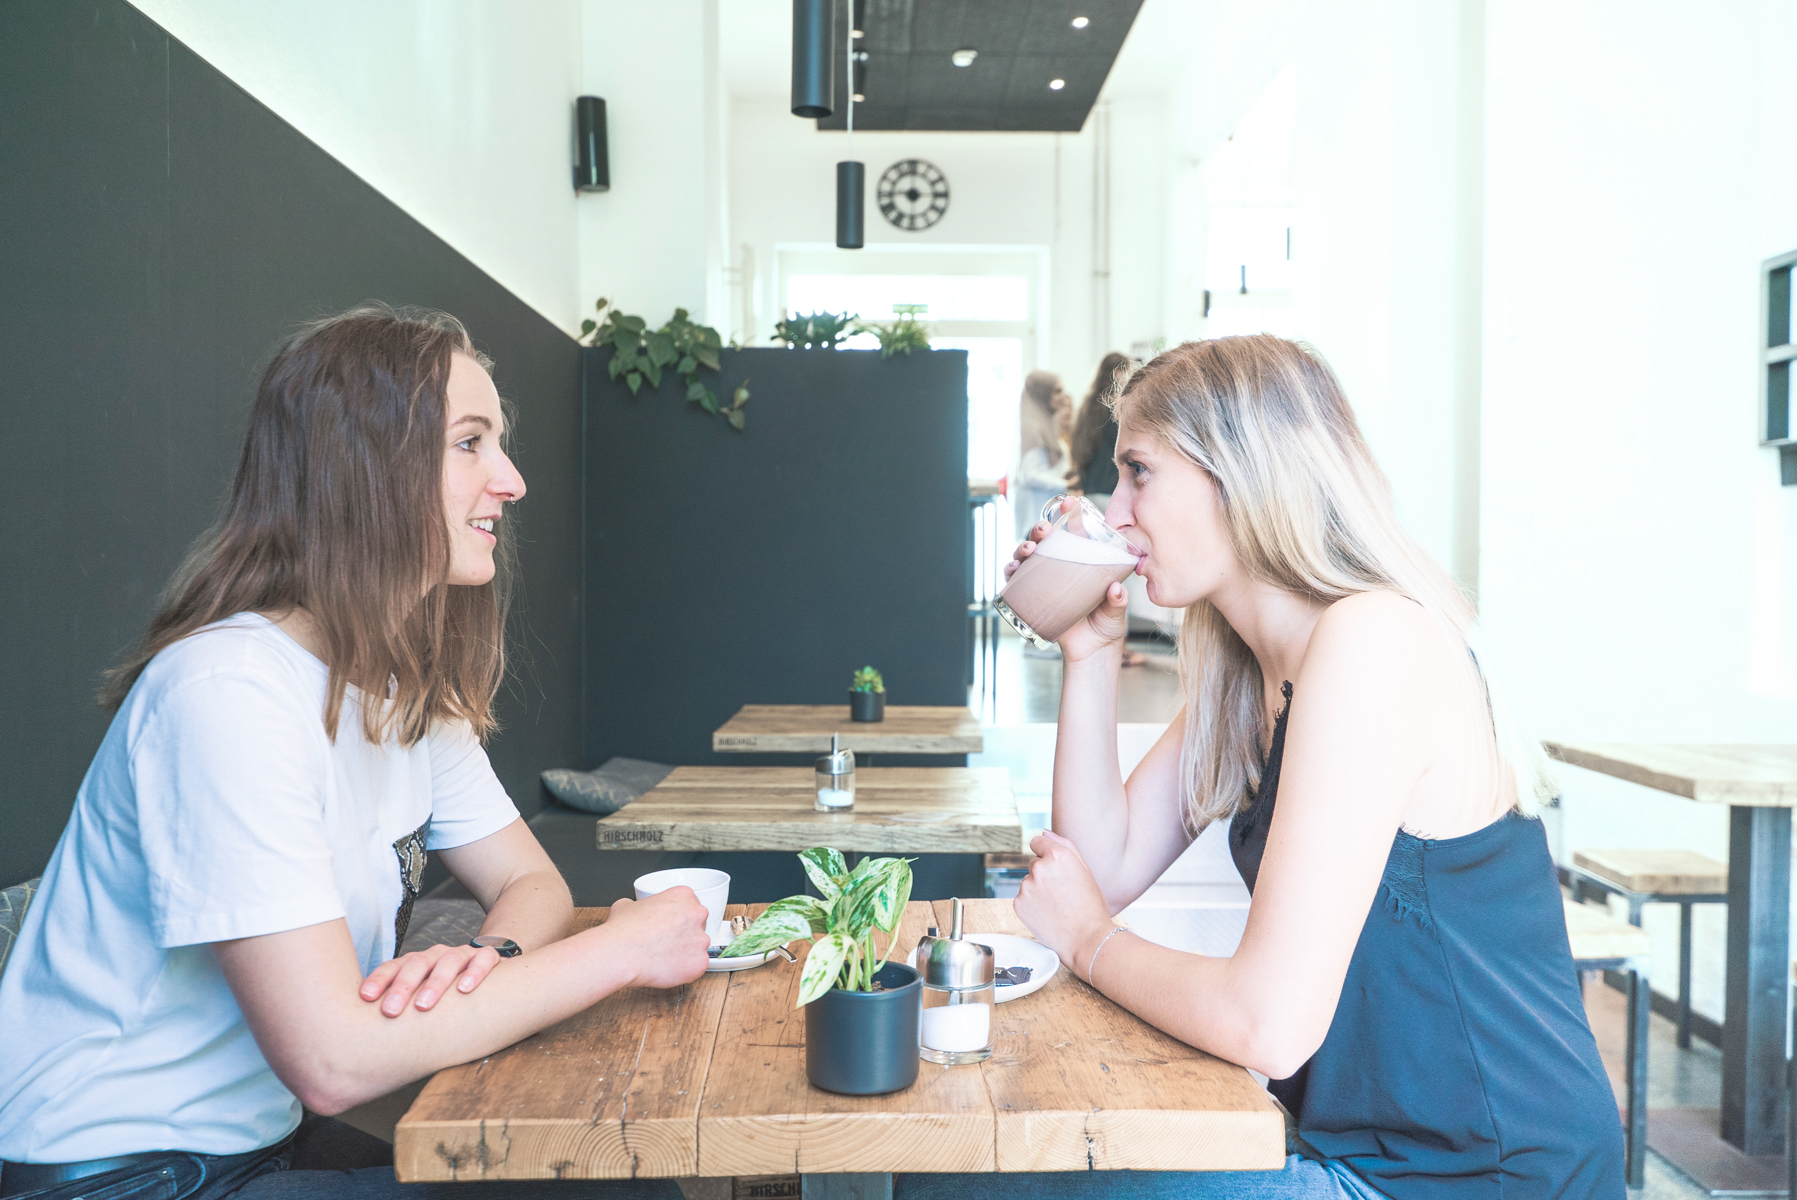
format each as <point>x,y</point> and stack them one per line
<point>1011,951</point>
<point>741,962</point>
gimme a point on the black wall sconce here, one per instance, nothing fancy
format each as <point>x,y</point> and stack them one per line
<point>592,156</point>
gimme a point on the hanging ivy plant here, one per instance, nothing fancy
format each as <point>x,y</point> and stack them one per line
<point>683,345</point>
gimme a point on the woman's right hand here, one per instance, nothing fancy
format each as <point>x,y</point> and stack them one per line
<point>1103,628</point>
<point>665,938</point>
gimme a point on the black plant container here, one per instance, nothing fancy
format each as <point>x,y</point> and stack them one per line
<point>865,1043</point>
<point>867,706</point>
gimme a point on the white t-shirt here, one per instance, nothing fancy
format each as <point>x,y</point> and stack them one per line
<point>216,808</point>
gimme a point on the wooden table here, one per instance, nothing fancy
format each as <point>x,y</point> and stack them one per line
<point>709,1080</point>
<point>898,810</point>
<point>806,728</point>
<point>1759,785</point>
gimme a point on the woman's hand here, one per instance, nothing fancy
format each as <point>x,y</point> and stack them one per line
<point>424,976</point>
<point>1061,902</point>
<point>1103,628</point>
<point>665,938</point>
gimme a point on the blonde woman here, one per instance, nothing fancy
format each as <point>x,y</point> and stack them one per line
<point>1404,978</point>
<point>1045,414</point>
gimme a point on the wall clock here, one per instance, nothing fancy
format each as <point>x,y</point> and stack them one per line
<point>912,194</point>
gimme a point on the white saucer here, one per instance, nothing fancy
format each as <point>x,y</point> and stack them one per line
<point>741,962</point>
<point>1008,950</point>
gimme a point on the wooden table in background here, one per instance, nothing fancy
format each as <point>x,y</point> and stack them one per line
<point>806,729</point>
<point>1759,785</point>
<point>709,1080</point>
<point>898,810</point>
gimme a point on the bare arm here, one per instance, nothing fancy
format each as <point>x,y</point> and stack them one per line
<point>1128,834</point>
<point>1364,723</point>
<point>298,991</point>
<point>525,900</point>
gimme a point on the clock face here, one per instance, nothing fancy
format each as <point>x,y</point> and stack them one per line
<point>913,194</point>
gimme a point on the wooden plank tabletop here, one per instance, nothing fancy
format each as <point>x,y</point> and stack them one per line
<point>709,1080</point>
<point>1754,776</point>
<point>806,728</point>
<point>898,810</point>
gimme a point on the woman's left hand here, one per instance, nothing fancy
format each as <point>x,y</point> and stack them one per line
<point>430,973</point>
<point>1061,902</point>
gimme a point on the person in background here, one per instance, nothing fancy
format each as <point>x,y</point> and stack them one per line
<point>1095,434</point>
<point>1045,413</point>
<point>1094,442</point>
<point>217,940</point>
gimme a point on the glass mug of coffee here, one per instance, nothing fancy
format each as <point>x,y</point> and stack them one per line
<point>1068,573</point>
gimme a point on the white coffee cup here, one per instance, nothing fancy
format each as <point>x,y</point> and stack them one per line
<point>712,888</point>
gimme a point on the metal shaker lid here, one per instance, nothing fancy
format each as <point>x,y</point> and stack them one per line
<point>838,761</point>
<point>953,962</point>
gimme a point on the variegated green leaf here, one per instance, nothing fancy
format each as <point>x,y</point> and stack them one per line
<point>815,912</point>
<point>892,895</point>
<point>769,930</point>
<point>822,966</point>
<point>824,867</point>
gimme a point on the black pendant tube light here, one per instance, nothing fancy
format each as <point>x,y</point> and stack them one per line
<point>851,176</point>
<point>813,57</point>
<point>851,194</point>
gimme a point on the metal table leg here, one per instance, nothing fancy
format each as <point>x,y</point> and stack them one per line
<point>1759,966</point>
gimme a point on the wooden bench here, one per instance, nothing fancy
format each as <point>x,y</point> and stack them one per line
<point>1680,877</point>
<point>1601,942</point>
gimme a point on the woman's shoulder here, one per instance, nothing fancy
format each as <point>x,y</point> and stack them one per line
<point>245,645</point>
<point>1386,632</point>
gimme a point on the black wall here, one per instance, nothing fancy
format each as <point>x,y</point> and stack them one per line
<point>763,567</point>
<point>159,232</point>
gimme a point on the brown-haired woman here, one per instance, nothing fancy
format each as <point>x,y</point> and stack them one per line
<point>1095,433</point>
<point>213,944</point>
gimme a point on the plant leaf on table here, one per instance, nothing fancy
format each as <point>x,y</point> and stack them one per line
<point>826,869</point>
<point>823,965</point>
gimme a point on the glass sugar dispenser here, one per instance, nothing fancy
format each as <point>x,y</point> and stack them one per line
<point>836,778</point>
<point>958,997</point>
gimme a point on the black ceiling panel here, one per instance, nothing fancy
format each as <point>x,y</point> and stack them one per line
<point>911,83</point>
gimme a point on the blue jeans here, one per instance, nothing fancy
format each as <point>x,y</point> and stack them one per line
<point>325,1159</point>
<point>1300,1179</point>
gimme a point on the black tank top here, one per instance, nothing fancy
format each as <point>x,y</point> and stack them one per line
<point>1459,1061</point>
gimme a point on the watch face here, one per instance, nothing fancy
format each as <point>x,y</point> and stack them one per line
<point>492,941</point>
<point>912,194</point>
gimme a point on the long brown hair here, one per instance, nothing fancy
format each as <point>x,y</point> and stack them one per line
<point>1095,409</point>
<point>337,508</point>
<point>1308,510</point>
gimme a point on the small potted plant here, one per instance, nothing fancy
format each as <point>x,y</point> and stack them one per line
<point>861,1011</point>
<point>867,696</point>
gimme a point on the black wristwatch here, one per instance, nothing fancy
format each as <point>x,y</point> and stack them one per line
<point>492,941</point>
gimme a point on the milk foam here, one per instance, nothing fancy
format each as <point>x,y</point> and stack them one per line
<point>1070,547</point>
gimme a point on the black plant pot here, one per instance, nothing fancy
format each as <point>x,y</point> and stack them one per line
<point>867,706</point>
<point>865,1043</point>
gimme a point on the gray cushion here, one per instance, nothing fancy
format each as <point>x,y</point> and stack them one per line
<point>442,922</point>
<point>13,903</point>
<point>607,789</point>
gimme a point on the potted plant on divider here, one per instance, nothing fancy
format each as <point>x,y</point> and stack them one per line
<point>861,1011</point>
<point>867,696</point>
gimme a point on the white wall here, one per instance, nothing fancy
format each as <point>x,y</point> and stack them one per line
<point>458,111</point>
<point>1637,549</point>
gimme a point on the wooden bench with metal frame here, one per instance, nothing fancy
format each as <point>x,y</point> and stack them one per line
<point>1602,943</point>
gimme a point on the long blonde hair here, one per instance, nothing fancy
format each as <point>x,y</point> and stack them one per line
<point>1308,511</point>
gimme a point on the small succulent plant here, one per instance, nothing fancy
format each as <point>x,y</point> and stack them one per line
<point>867,680</point>
<point>814,331</point>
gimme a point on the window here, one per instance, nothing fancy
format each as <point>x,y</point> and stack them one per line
<point>1775,364</point>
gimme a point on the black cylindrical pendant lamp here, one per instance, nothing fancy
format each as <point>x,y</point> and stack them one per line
<point>851,191</point>
<point>814,51</point>
<point>592,159</point>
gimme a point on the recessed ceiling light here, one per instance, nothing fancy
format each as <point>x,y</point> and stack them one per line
<point>963,58</point>
<point>1080,22</point>
<point>1055,85</point>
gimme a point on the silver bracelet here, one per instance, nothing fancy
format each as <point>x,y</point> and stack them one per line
<point>1115,930</point>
